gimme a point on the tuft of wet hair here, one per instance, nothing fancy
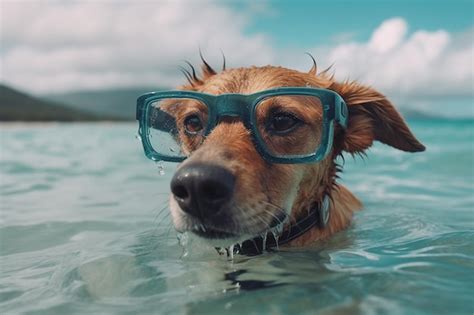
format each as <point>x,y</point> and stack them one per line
<point>314,68</point>
<point>191,75</point>
<point>207,71</point>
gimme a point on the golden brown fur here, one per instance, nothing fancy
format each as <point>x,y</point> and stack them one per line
<point>263,188</point>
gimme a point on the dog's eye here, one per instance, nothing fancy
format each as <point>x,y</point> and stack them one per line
<point>193,124</point>
<point>281,123</point>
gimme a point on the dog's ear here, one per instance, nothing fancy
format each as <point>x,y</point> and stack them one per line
<point>373,117</point>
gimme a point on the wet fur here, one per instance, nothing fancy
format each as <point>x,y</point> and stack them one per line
<point>264,190</point>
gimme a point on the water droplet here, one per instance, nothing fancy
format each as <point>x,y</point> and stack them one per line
<point>172,149</point>
<point>183,240</point>
<point>276,241</point>
<point>137,136</point>
<point>276,231</point>
<point>279,228</point>
<point>230,252</point>
<point>161,168</point>
<point>264,242</point>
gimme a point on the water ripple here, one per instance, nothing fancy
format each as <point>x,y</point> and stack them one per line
<point>80,232</point>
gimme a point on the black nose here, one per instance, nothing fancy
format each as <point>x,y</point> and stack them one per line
<point>201,189</point>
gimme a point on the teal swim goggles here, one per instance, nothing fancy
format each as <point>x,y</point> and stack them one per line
<point>288,125</point>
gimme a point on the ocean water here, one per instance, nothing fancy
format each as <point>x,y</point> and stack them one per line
<point>84,228</point>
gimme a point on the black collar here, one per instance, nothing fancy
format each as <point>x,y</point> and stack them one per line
<point>318,216</point>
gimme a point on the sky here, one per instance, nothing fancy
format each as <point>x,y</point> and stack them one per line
<point>412,50</point>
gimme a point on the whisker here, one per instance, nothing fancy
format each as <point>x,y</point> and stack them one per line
<point>157,222</point>
<point>274,216</point>
<point>287,216</point>
<point>235,222</point>
<point>277,207</point>
<point>162,220</point>
<point>160,212</point>
<point>247,228</point>
<point>265,223</point>
<point>169,231</point>
<point>281,222</point>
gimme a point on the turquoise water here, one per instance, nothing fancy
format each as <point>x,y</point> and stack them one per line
<point>84,228</point>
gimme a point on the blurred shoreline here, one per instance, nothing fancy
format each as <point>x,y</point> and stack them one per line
<point>14,124</point>
<point>118,106</point>
<point>18,106</point>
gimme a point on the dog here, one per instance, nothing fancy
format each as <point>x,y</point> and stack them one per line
<point>226,193</point>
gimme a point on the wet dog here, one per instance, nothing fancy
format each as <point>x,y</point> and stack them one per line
<point>227,193</point>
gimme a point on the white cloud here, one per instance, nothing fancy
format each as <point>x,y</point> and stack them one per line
<point>424,63</point>
<point>388,36</point>
<point>66,45</point>
<point>56,46</point>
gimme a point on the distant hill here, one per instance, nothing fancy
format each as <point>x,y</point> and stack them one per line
<point>116,102</point>
<point>109,104</point>
<point>419,115</point>
<point>121,102</point>
<point>18,106</point>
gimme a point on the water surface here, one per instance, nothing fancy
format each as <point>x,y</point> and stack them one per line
<point>84,228</point>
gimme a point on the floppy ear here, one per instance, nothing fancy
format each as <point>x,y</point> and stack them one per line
<point>373,117</point>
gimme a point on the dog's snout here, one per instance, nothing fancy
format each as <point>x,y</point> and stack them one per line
<point>201,189</point>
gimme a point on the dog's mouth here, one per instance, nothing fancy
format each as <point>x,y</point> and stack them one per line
<point>230,235</point>
<point>213,234</point>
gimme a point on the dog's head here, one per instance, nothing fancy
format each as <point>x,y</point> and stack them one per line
<point>227,192</point>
